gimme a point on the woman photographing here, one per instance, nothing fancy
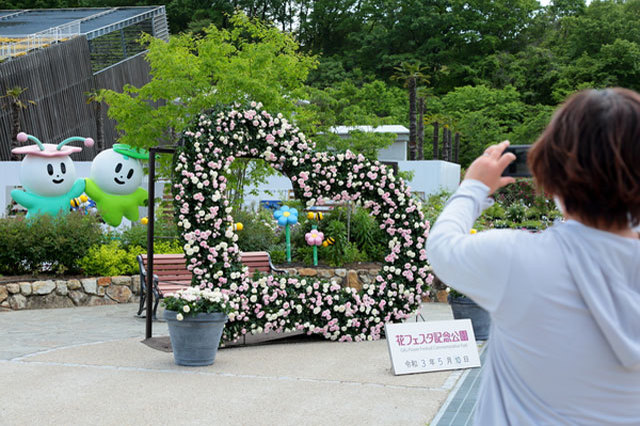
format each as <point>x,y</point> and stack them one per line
<point>564,303</point>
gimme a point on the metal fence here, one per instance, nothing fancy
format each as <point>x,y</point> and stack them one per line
<point>20,45</point>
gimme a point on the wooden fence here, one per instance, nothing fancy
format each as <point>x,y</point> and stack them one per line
<point>57,78</point>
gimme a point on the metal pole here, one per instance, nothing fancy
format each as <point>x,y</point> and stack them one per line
<point>349,221</point>
<point>150,214</point>
<point>315,249</point>
<point>288,242</point>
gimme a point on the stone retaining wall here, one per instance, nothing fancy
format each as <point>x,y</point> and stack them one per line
<point>346,277</point>
<point>355,278</point>
<point>67,293</point>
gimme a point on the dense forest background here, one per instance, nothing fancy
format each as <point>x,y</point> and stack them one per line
<point>487,69</point>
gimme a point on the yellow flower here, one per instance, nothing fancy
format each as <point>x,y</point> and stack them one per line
<point>473,231</point>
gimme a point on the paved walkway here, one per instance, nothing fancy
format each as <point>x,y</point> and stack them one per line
<point>87,366</point>
<point>460,406</point>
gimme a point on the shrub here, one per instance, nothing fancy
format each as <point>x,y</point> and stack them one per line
<point>500,223</point>
<point>134,236</point>
<point>278,255</point>
<point>352,254</point>
<point>15,256</point>
<point>107,260</point>
<point>521,192</point>
<point>304,254</point>
<point>164,228</point>
<point>434,205</point>
<point>534,225</point>
<point>366,233</point>
<point>167,247</point>
<point>45,243</point>
<point>114,259</point>
<point>495,212</point>
<point>258,230</point>
<point>338,231</point>
<point>516,212</point>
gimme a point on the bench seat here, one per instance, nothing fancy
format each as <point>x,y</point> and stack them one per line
<point>170,273</point>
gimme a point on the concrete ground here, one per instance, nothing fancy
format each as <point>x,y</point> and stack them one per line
<point>87,366</point>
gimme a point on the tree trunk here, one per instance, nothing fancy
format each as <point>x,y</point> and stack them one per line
<point>412,118</point>
<point>445,144</point>
<point>420,128</point>
<point>99,127</point>
<point>457,147</point>
<point>435,140</point>
<point>449,150</point>
<point>15,128</point>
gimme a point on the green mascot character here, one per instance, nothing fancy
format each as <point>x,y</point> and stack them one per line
<point>114,183</point>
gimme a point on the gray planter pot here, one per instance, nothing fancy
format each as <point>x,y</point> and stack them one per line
<point>463,307</point>
<point>196,338</point>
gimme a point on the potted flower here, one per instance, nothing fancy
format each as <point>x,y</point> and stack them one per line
<point>464,307</point>
<point>196,319</point>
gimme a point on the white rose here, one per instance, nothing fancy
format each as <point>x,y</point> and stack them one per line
<point>186,309</point>
<point>179,317</point>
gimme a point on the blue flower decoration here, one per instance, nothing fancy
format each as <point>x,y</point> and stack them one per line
<point>286,216</point>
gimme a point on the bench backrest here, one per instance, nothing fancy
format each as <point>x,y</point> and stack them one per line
<point>172,267</point>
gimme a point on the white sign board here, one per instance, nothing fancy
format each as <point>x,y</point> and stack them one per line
<point>419,347</point>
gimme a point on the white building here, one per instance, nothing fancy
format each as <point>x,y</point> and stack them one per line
<point>396,152</point>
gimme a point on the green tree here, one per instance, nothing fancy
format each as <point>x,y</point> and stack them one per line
<point>15,105</point>
<point>345,103</point>
<point>251,61</point>
<point>483,116</point>
<point>412,74</point>
<point>93,98</point>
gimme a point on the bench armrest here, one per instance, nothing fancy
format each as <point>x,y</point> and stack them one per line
<point>273,268</point>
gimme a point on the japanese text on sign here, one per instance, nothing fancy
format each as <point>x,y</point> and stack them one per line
<point>431,346</point>
<point>435,337</point>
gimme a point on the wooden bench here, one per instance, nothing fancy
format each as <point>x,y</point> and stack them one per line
<point>170,273</point>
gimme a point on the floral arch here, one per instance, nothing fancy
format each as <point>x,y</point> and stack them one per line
<point>285,303</point>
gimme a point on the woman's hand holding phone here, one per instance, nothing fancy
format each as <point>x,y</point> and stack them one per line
<point>489,166</point>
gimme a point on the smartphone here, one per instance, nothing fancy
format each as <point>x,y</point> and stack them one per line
<point>518,168</point>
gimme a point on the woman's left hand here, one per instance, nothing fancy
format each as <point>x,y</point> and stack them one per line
<point>489,166</point>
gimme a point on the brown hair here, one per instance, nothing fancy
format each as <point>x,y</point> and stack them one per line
<point>589,156</point>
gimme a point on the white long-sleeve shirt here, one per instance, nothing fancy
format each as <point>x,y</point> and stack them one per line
<point>564,346</point>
